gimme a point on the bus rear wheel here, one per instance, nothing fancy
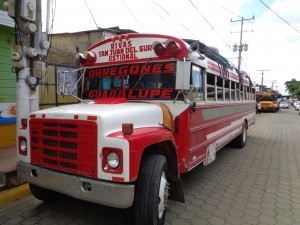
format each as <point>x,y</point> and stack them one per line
<point>152,191</point>
<point>240,141</point>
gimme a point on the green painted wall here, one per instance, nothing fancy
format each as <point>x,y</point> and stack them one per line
<point>7,88</point>
<point>7,77</point>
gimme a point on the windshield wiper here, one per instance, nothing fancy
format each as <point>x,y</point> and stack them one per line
<point>141,75</point>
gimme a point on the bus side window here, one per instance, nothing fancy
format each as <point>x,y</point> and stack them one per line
<point>242,93</point>
<point>227,89</point>
<point>220,88</point>
<point>232,90</point>
<point>253,94</point>
<point>237,91</point>
<point>210,87</point>
<point>247,93</point>
<point>196,80</point>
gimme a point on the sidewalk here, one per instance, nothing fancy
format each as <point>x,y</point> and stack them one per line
<point>8,159</point>
<point>11,187</point>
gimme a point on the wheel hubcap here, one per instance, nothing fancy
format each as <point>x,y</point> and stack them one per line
<point>244,134</point>
<point>163,194</point>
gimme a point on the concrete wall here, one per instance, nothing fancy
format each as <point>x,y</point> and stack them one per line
<point>64,46</point>
<point>48,94</point>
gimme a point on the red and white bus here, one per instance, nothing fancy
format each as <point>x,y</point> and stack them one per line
<point>156,107</point>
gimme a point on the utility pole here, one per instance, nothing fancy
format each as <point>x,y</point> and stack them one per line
<point>273,81</point>
<point>241,46</point>
<point>27,55</point>
<point>262,76</point>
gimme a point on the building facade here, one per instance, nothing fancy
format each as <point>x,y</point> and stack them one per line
<point>7,82</point>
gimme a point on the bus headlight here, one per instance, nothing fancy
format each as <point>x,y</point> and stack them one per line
<point>113,160</point>
<point>22,146</point>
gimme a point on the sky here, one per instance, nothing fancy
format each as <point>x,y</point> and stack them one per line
<point>273,42</point>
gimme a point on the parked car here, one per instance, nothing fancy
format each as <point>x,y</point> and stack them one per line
<point>284,105</point>
<point>297,107</point>
<point>296,103</point>
<point>293,101</point>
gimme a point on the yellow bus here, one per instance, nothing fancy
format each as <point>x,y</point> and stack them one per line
<point>268,101</point>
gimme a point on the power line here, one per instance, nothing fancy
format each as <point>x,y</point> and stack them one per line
<point>202,15</point>
<point>91,14</point>
<point>244,63</point>
<point>280,17</point>
<point>209,24</point>
<point>63,50</point>
<point>221,6</point>
<point>263,28</point>
<point>153,8</point>
<point>173,18</point>
<point>131,12</point>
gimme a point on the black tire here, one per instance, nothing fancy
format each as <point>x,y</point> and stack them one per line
<point>44,194</point>
<point>240,141</point>
<point>152,190</point>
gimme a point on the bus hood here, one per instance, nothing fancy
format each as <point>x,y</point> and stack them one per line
<point>109,116</point>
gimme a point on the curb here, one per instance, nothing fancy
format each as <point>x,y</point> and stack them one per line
<point>13,194</point>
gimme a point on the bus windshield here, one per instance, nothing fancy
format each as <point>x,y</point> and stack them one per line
<point>266,97</point>
<point>132,81</point>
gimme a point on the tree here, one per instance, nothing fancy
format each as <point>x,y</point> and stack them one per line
<point>293,87</point>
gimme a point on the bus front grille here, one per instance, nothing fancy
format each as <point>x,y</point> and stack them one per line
<point>65,145</point>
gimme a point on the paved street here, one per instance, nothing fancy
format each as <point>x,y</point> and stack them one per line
<point>259,184</point>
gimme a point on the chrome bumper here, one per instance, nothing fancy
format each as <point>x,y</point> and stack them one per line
<point>102,192</point>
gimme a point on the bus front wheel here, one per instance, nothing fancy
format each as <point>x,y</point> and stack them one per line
<point>152,191</point>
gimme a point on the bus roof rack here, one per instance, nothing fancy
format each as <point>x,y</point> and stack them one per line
<point>211,53</point>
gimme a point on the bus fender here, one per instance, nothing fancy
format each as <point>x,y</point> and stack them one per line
<point>154,140</point>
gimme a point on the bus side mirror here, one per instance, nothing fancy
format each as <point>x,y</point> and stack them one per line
<point>67,83</point>
<point>188,95</point>
<point>192,93</point>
